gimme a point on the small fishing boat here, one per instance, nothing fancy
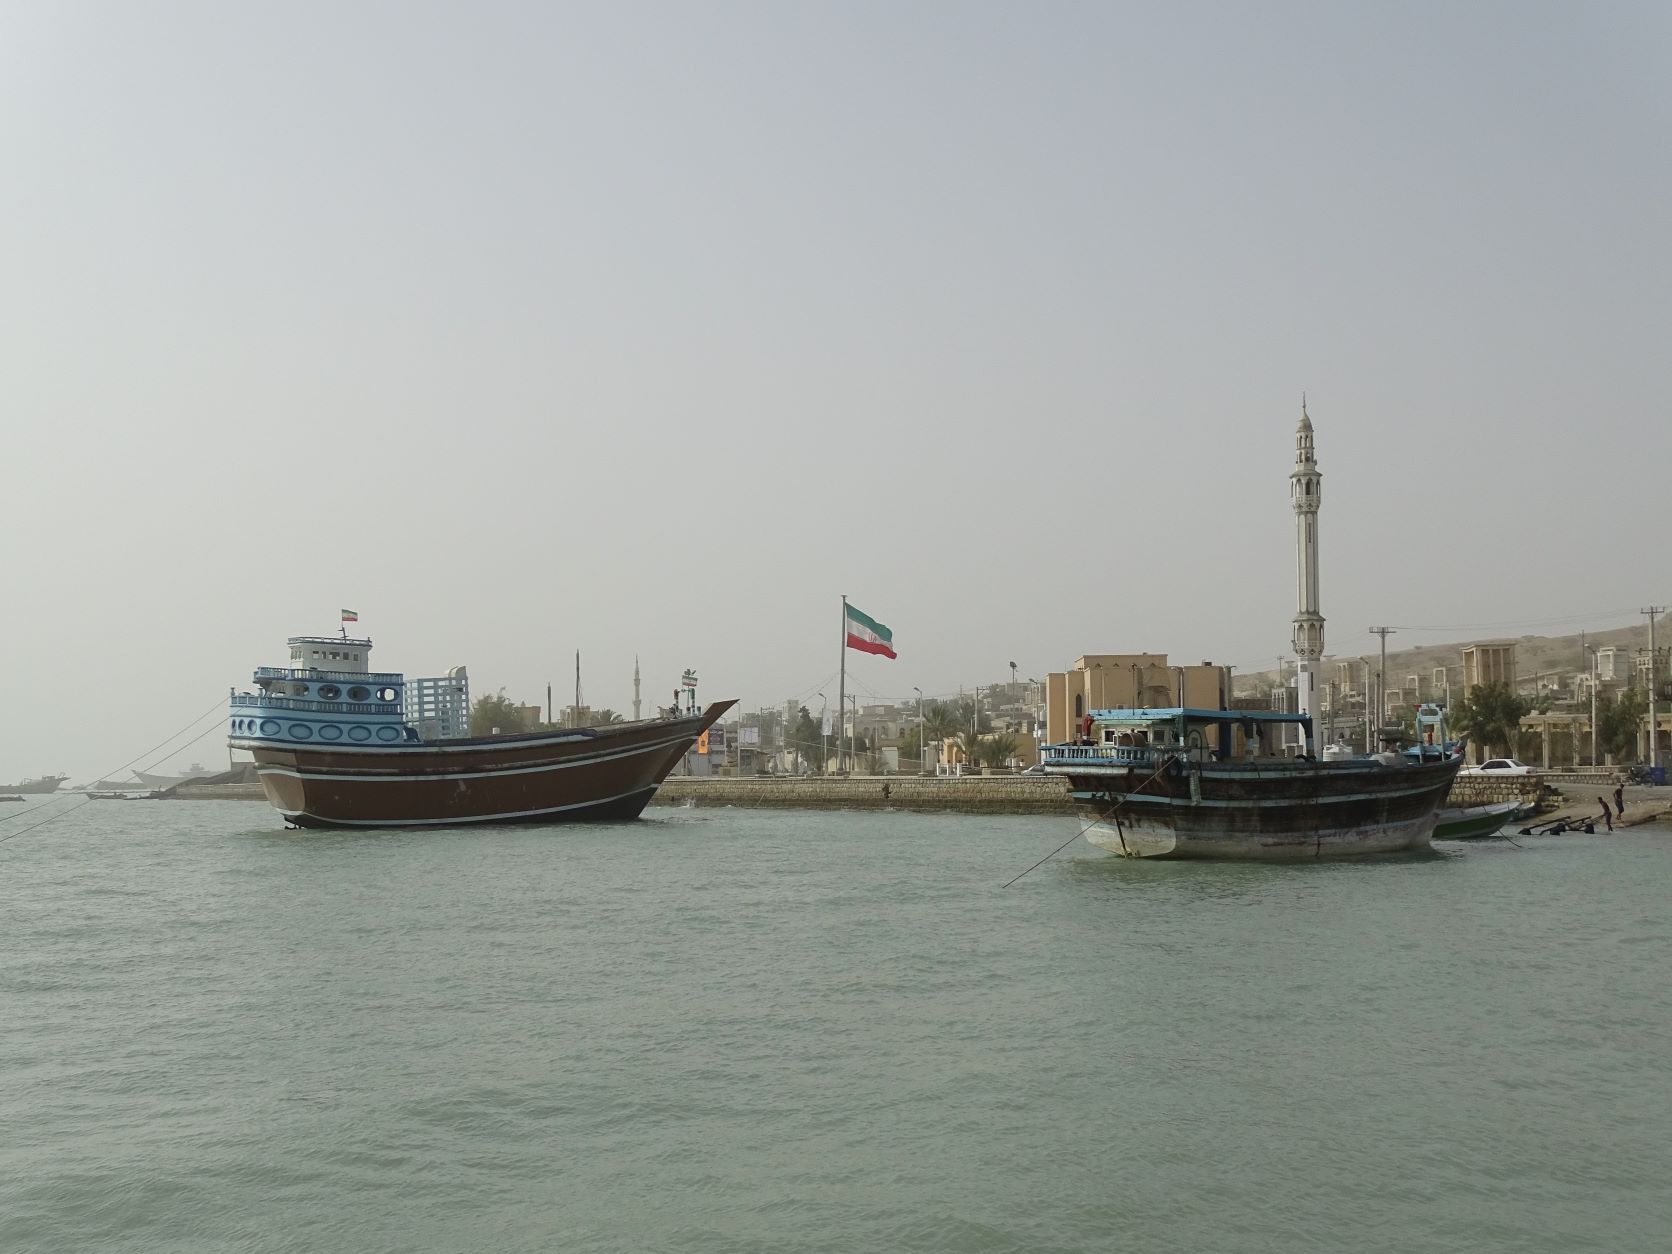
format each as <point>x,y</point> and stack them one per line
<point>1194,783</point>
<point>332,748</point>
<point>1474,822</point>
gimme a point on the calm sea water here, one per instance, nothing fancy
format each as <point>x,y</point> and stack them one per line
<point>749,1031</point>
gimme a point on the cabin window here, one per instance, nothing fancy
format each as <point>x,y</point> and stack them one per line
<point>329,692</point>
<point>359,694</point>
<point>386,694</point>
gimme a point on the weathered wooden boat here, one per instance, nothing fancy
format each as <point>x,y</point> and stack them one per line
<point>332,748</point>
<point>1191,783</point>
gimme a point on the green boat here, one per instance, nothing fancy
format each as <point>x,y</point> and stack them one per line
<point>1473,822</point>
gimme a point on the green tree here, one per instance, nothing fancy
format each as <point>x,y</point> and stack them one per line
<point>602,718</point>
<point>1618,721</point>
<point>971,744</point>
<point>806,739</point>
<point>1490,715</point>
<point>495,711</point>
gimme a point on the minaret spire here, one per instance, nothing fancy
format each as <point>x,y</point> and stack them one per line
<point>635,687</point>
<point>1305,489</point>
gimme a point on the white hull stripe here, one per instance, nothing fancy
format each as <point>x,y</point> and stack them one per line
<point>461,821</point>
<point>660,746</point>
<point>432,749</point>
<point>1095,797</point>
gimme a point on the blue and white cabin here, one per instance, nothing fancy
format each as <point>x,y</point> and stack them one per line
<point>1133,737</point>
<point>327,695</point>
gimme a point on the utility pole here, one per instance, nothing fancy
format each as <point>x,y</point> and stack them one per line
<point>1592,648</point>
<point>1369,698</point>
<point>1382,675</point>
<point>1654,678</point>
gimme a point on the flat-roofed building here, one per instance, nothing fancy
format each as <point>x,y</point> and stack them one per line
<point>1489,664</point>
<point>1127,681</point>
<point>440,707</point>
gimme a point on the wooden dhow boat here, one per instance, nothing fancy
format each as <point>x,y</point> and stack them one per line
<point>1190,783</point>
<point>332,748</point>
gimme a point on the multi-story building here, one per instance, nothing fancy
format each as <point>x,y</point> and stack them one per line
<point>440,708</point>
<point>1115,681</point>
<point>1613,664</point>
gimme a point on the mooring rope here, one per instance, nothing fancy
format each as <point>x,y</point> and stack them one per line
<point>1099,819</point>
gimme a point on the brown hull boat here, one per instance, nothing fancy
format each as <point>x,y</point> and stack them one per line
<point>578,775</point>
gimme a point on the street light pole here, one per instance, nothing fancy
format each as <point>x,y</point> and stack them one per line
<point>824,737</point>
<point>1654,678</point>
<point>919,693</point>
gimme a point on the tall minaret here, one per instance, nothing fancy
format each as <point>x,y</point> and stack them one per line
<point>1305,489</point>
<point>635,687</point>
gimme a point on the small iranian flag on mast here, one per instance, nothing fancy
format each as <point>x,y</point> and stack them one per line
<point>350,616</point>
<point>868,635</point>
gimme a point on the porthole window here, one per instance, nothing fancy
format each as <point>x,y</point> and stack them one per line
<point>359,694</point>
<point>298,690</point>
<point>329,692</point>
<point>385,694</point>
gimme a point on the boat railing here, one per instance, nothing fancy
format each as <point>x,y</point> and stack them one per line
<point>312,672</point>
<point>389,709</point>
<point>1120,755</point>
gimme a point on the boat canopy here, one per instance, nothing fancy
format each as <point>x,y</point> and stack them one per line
<point>1172,714</point>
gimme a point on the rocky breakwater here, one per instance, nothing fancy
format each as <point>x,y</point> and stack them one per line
<point>968,794</point>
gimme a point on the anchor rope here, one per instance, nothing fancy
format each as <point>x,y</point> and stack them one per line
<point>219,704</point>
<point>1099,819</point>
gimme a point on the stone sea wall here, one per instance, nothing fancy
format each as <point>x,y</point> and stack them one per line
<point>972,794</point>
<point>1486,790</point>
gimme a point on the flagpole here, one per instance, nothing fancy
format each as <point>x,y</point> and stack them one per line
<point>842,688</point>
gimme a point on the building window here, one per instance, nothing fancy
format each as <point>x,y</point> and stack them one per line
<point>1079,705</point>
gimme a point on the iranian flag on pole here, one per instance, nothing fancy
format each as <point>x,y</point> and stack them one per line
<point>868,635</point>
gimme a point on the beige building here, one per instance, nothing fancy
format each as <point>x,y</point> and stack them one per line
<point>1489,664</point>
<point>1124,681</point>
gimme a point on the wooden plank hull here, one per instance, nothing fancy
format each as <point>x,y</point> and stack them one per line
<point>1267,813</point>
<point>550,777</point>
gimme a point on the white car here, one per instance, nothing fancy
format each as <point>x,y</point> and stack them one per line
<point>1499,766</point>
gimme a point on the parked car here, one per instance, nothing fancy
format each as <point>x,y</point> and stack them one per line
<point>1499,766</point>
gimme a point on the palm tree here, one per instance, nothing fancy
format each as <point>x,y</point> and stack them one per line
<point>999,748</point>
<point>972,745</point>
<point>601,717</point>
<point>940,722</point>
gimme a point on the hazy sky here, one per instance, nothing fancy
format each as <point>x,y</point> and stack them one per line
<point>654,329</point>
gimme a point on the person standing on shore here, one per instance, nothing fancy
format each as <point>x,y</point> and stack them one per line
<point>1606,817</point>
<point>1620,799</point>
